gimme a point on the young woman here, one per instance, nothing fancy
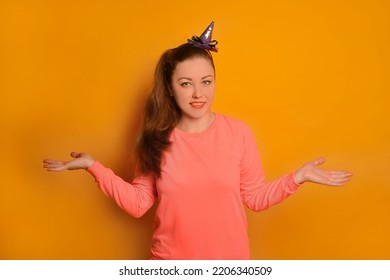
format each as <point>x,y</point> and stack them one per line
<point>199,166</point>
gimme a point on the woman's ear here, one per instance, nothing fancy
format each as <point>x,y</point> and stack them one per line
<point>170,91</point>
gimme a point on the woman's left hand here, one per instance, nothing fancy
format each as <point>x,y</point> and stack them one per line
<point>310,172</point>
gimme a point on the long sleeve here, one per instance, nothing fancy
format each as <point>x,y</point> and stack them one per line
<point>136,198</point>
<point>255,192</point>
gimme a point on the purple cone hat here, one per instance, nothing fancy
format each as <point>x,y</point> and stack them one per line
<point>204,41</point>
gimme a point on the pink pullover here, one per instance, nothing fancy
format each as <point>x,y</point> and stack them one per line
<point>206,178</point>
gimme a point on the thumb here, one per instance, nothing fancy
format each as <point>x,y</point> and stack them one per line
<point>75,154</point>
<point>319,161</point>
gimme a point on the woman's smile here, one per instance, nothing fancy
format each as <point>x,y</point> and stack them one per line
<point>197,105</point>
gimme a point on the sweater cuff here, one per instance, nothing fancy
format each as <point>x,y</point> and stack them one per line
<point>293,185</point>
<point>97,170</point>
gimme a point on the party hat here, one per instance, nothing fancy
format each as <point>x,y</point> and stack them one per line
<point>204,41</point>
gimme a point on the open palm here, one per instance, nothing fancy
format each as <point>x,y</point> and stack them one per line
<point>80,161</point>
<point>310,172</point>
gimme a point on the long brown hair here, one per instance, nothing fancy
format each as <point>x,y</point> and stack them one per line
<point>162,113</point>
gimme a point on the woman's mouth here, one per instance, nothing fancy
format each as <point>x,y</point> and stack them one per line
<point>197,105</point>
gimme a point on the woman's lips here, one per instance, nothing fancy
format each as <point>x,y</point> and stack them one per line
<point>197,105</point>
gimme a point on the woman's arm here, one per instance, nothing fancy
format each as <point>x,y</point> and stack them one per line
<point>258,194</point>
<point>136,198</point>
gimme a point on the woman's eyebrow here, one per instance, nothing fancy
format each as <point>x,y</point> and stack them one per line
<point>186,78</point>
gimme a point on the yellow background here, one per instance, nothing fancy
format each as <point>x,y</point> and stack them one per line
<point>309,77</point>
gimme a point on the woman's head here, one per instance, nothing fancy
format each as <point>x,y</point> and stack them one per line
<point>172,57</point>
<point>192,86</point>
<point>163,109</point>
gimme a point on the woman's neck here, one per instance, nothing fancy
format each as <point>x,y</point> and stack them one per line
<point>191,125</point>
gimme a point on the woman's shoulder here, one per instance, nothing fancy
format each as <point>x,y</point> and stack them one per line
<point>232,121</point>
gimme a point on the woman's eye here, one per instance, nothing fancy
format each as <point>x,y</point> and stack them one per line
<point>185,84</point>
<point>206,82</point>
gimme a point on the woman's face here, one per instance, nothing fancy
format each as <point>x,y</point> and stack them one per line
<point>193,86</point>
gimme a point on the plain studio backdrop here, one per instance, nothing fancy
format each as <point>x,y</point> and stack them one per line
<point>309,77</point>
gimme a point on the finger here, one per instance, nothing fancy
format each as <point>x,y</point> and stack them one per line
<point>338,184</point>
<point>344,176</point>
<point>53,164</point>
<point>340,172</point>
<point>341,178</point>
<point>49,161</point>
<point>339,181</point>
<point>335,183</point>
<point>56,169</point>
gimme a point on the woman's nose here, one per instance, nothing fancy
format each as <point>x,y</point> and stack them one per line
<point>197,92</point>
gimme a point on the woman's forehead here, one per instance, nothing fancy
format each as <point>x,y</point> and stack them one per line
<point>198,66</point>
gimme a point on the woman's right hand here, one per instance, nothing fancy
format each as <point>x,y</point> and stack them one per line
<point>80,161</point>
